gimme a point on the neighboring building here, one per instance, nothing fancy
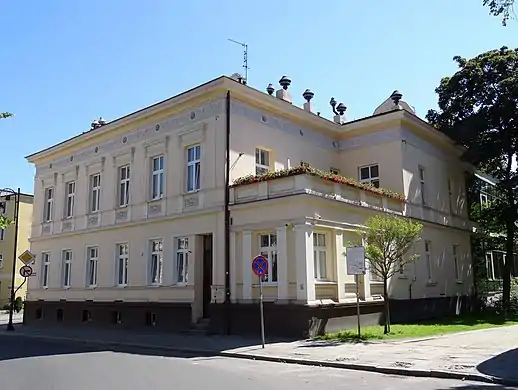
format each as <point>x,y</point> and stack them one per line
<point>7,207</point>
<point>130,223</point>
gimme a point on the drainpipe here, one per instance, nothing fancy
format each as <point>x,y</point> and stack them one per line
<point>227,218</point>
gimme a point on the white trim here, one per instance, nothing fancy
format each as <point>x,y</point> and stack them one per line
<point>92,263</point>
<point>70,194</point>
<point>157,189</point>
<point>262,161</point>
<point>373,180</point>
<point>95,193</point>
<point>321,266</point>
<point>270,251</point>
<point>156,255</point>
<point>48,211</point>
<point>45,266</point>
<point>124,185</point>
<point>121,257</point>
<point>66,262</point>
<point>181,248</point>
<point>193,169</point>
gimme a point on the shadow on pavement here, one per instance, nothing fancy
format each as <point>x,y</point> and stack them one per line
<point>34,341</point>
<point>502,366</point>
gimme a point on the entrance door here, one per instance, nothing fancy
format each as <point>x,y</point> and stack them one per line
<point>207,273</point>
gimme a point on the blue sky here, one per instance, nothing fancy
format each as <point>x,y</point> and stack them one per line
<point>64,62</point>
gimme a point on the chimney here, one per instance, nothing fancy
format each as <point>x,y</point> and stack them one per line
<point>396,97</point>
<point>270,89</point>
<point>283,92</point>
<point>339,111</point>
<point>308,95</point>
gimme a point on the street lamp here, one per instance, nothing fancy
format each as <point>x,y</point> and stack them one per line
<point>7,194</point>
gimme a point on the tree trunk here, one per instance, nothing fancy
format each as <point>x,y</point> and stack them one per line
<point>509,257</point>
<point>386,330</point>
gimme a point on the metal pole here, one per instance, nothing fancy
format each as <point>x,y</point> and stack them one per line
<point>10,326</point>
<point>358,304</point>
<point>261,308</point>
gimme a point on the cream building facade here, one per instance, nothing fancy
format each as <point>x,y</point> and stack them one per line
<point>130,218</point>
<point>7,249</point>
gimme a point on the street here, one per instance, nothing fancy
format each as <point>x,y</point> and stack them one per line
<point>28,363</point>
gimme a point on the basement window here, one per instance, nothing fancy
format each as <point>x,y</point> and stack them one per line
<point>39,313</point>
<point>60,315</point>
<point>87,316</point>
<point>150,319</point>
<point>116,317</point>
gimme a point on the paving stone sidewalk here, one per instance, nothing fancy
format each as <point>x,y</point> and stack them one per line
<point>489,355</point>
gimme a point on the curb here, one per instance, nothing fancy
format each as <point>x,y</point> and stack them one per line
<point>439,374</point>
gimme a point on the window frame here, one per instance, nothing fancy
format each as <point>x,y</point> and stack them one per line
<point>429,259</point>
<point>2,234</point>
<point>371,180</point>
<point>317,252</point>
<point>456,266</point>
<point>271,253</point>
<point>260,167</point>
<point>67,268</point>
<point>92,264</point>
<point>48,211</point>
<point>124,185</point>
<point>421,172</point>
<point>159,175</point>
<point>95,193</point>
<point>45,269</point>
<point>1,260</point>
<point>121,258</point>
<point>159,260</point>
<point>193,168</point>
<point>68,212</point>
<point>182,250</point>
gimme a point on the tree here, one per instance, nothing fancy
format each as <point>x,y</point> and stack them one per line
<point>502,8</point>
<point>4,221</point>
<point>478,108</point>
<point>4,115</point>
<point>387,242</point>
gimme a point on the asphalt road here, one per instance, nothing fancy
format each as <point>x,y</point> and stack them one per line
<point>28,364</point>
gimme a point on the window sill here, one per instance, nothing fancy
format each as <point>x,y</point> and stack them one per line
<point>180,284</point>
<point>267,284</point>
<point>402,277</point>
<point>376,282</point>
<point>192,192</point>
<point>459,282</point>
<point>324,282</point>
<point>156,199</point>
<point>122,206</point>
<point>91,286</point>
<point>121,285</point>
<point>67,218</point>
<point>66,287</point>
<point>431,283</point>
<point>154,285</point>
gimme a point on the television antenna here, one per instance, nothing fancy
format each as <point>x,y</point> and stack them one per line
<point>245,56</point>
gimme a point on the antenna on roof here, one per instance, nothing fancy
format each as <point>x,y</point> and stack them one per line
<point>245,57</point>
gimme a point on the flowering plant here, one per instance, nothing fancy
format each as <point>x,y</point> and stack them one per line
<point>307,170</point>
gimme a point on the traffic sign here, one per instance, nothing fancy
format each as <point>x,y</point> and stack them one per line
<point>260,265</point>
<point>26,271</point>
<point>26,257</point>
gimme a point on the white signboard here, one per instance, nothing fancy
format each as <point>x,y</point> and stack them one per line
<point>355,260</point>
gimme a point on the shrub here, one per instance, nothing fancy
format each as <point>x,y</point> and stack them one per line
<point>18,304</point>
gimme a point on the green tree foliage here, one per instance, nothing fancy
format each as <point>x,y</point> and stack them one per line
<point>388,240</point>
<point>478,108</point>
<point>4,115</point>
<point>502,8</point>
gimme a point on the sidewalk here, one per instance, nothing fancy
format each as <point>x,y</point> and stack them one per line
<point>489,355</point>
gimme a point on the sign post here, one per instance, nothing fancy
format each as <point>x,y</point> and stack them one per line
<point>356,266</point>
<point>260,268</point>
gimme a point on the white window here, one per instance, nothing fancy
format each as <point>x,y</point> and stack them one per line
<point>262,161</point>
<point>92,261</point>
<point>182,260</point>
<point>95,192</point>
<point>2,234</point>
<point>193,168</point>
<point>67,268</point>
<point>455,252</point>
<point>156,260</point>
<point>157,177</point>
<point>45,269</point>
<point>422,186</point>
<point>70,194</point>
<point>49,204</point>
<point>1,261</point>
<point>124,185</point>
<point>268,247</point>
<point>370,175</point>
<point>122,264</point>
<point>320,255</point>
<point>428,259</point>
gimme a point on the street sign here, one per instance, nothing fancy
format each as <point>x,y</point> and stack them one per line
<point>26,257</point>
<point>356,266</point>
<point>26,271</point>
<point>260,266</point>
<point>355,260</point>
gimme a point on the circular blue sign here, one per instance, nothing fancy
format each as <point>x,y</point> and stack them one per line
<point>260,265</point>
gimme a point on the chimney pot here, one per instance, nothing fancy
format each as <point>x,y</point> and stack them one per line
<point>270,89</point>
<point>308,95</point>
<point>285,82</point>
<point>283,93</point>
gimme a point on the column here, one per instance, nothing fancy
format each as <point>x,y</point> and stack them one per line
<point>365,289</point>
<point>341,268</point>
<point>282,266</point>
<point>305,263</point>
<point>233,275</point>
<point>247,265</point>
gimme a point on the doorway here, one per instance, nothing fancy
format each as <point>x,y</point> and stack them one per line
<point>207,273</point>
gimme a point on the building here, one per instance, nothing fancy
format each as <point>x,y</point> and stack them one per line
<point>131,225</point>
<point>7,207</point>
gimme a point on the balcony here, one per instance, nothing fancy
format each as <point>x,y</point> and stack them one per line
<point>307,180</point>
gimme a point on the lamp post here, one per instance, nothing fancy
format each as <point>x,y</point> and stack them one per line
<point>7,194</point>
